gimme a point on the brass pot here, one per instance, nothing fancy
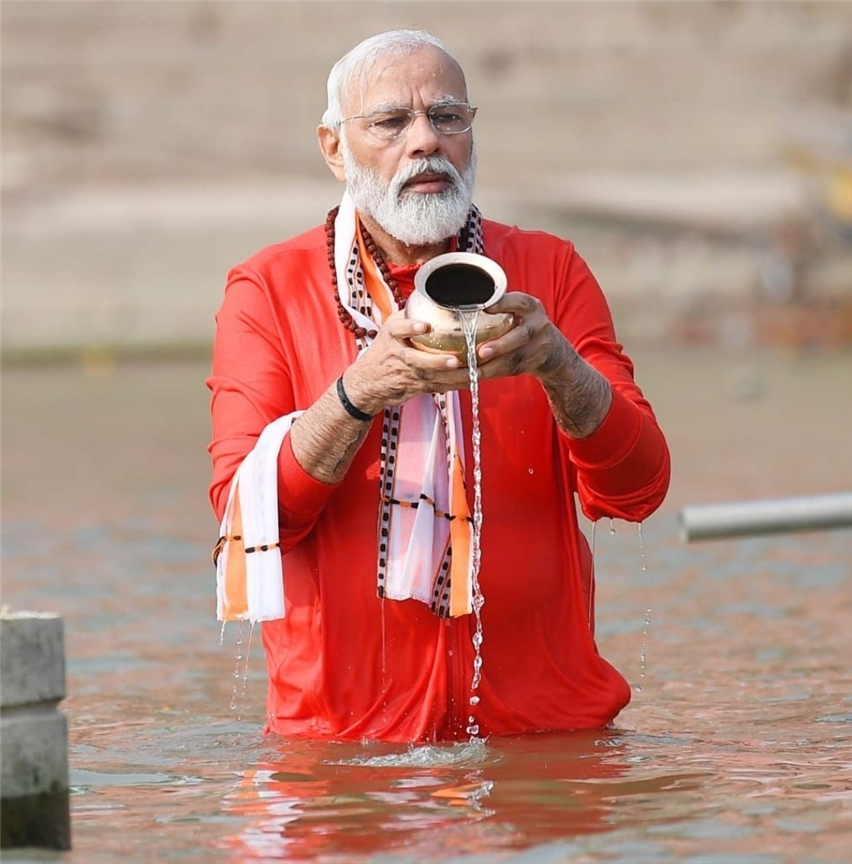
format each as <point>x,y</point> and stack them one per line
<point>449,287</point>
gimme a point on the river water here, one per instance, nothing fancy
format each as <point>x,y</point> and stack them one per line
<point>736,748</point>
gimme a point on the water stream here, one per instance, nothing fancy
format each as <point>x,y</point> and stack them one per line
<point>469,320</point>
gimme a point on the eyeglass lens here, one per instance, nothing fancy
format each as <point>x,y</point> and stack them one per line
<point>447,119</point>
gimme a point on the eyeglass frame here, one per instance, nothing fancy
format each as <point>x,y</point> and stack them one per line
<point>411,116</point>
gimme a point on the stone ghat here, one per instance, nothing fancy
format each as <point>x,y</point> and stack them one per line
<point>118,92</point>
<point>691,151</point>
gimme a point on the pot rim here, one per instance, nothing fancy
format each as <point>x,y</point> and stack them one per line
<point>472,259</point>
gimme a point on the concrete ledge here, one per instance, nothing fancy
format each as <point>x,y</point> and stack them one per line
<point>32,659</point>
<point>34,808</point>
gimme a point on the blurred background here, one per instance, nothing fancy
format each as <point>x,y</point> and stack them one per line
<point>698,153</point>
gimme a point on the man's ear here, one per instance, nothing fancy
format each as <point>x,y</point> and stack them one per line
<point>329,142</point>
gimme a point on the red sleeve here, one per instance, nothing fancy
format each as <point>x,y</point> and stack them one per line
<point>623,469</point>
<point>251,386</point>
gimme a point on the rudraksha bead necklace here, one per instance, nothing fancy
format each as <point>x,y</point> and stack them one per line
<point>342,313</point>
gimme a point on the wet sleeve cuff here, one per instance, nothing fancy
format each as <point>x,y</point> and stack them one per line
<point>301,497</point>
<point>614,441</point>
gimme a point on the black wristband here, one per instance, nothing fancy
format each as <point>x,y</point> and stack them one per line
<point>350,409</point>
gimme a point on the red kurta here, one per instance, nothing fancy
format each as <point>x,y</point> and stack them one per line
<point>344,663</point>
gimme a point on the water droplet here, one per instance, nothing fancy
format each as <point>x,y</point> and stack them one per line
<point>611,527</point>
<point>531,471</point>
<point>643,653</point>
<point>241,661</point>
<point>474,700</point>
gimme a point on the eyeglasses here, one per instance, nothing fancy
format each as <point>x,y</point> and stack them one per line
<point>452,119</point>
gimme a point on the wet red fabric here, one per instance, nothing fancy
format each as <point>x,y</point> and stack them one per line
<point>344,663</point>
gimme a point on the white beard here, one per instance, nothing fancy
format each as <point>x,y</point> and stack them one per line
<point>413,218</point>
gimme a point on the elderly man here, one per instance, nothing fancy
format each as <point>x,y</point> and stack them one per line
<point>342,457</point>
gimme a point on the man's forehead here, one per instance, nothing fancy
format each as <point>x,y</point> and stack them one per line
<point>394,80</point>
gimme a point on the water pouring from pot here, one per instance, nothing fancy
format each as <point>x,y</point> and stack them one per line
<point>450,288</point>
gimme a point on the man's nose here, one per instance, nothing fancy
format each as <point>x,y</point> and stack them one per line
<point>422,138</point>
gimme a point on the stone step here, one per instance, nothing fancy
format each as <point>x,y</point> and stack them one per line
<point>97,92</point>
<point>33,734</point>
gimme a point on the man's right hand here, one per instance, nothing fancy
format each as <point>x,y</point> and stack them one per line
<point>392,370</point>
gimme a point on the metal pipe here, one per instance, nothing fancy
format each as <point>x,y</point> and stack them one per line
<point>769,516</point>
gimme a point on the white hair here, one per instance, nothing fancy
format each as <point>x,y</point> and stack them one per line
<point>360,60</point>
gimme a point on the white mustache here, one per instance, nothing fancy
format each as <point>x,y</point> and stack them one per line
<point>433,165</point>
